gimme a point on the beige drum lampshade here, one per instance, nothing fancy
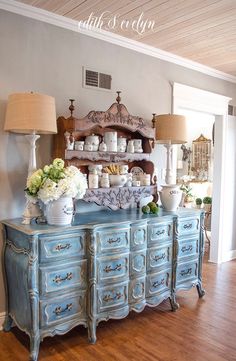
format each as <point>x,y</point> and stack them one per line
<point>171,129</point>
<point>31,112</point>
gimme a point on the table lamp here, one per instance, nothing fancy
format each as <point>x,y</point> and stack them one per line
<point>170,129</point>
<point>31,114</point>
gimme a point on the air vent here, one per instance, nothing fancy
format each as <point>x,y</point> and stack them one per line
<point>231,110</point>
<point>94,79</point>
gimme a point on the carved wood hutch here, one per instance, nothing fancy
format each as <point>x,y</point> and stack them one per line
<point>130,127</point>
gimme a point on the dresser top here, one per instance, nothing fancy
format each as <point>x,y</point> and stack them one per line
<point>101,218</point>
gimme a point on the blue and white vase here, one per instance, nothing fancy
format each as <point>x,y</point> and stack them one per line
<point>60,212</point>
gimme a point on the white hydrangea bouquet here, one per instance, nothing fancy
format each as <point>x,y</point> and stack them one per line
<point>55,181</point>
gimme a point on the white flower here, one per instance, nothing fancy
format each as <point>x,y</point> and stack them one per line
<point>55,181</point>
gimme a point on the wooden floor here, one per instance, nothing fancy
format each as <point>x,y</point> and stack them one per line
<point>201,330</point>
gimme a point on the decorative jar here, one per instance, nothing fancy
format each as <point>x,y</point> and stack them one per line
<point>60,212</point>
<point>170,197</point>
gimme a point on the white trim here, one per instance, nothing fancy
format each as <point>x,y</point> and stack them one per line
<point>2,319</point>
<point>70,24</point>
<point>201,100</point>
<point>229,256</point>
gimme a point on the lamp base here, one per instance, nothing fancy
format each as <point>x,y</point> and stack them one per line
<point>170,196</point>
<point>32,210</point>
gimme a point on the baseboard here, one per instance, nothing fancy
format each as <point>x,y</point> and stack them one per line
<point>229,256</point>
<point>2,319</point>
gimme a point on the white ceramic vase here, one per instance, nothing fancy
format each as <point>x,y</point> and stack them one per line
<point>60,212</point>
<point>170,197</point>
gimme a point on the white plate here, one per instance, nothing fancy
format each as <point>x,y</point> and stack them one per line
<point>136,172</point>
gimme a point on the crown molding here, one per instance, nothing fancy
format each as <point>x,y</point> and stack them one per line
<point>70,24</point>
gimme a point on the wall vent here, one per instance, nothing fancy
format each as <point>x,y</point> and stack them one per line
<point>231,110</point>
<point>96,80</point>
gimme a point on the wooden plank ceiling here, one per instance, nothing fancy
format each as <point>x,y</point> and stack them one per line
<point>199,30</point>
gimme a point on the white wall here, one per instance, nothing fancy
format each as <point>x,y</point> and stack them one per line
<point>44,58</point>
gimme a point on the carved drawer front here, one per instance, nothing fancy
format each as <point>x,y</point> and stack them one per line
<point>113,268</point>
<point>188,226</point>
<point>186,271</point>
<point>187,248</point>
<point>160,232</point>
<point>61,309</point>
<point>139,237</point>
<point>137,262</point>
<point>63,277</point>
<point>112,297</point>
<point>158,282</point>
<point>158,257</point>
<point>113,239</point>
<point>61,246</point>
<point>137,289</point>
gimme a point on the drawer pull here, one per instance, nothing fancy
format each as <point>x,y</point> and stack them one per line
<point>108,298</point>
<point>60,247</point>
<point>58,310</point>
<point>158,233</point>
<point>112,240</point>
<point>108,269</point>
<point>158,258</point>
<point>188,226</point>
<point>59,279</point>
<point>186,249</point>
<point>187,272</point>
<point>157,284</point>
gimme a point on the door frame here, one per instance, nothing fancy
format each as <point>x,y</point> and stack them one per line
<point>201,100</point>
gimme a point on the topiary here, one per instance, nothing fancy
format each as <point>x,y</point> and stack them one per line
<point>198,201</point>
<point>207,200</point>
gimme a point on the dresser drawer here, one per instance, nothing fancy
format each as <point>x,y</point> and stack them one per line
<point>61,309</point>
<point>61,246</point>
<point>188,247</point>
<point>113,268</point>
<point>159,257</point>
<point>188,226</point>
<point>159,232</point>
<point>112,297</point>
<point>158,282</point>
<point>137,262</point>
<point>63,277</point>
<point>138,237</point>
<point>137,289</point>
<point>113,240</point>
<point>186,272</point>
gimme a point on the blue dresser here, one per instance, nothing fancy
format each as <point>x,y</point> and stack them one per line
<point>103,266</point>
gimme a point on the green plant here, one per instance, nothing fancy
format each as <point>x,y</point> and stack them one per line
<point>198,201</point>
<point>207,200</point>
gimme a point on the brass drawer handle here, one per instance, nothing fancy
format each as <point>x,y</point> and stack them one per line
<point>187,272</point>
<point>157,284</point>
<point>158,233</point>
<point>158,258</point>
<point>59,279</point>
<point>58,310</point>
<point>188,226</point>
<point>60,247</point>
<point>108,298</point>
<point>186,249</point>
<point>108,269</point>
<point>111,240</point>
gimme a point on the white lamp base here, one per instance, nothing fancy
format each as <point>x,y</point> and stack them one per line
<point>32,209</point>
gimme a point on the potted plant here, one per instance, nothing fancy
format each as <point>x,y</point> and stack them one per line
<point>187,195</point>
<point>198,202</point>
<point>207,201</point>
<point>56,186</point>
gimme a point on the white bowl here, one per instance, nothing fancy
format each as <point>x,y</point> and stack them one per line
<point>117,180</point>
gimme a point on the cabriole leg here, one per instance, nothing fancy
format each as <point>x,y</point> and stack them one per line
<point>92,331</point>
<point>7,323</point>
<point>200,289</point>
<point>173,303</point>
<point>34,348</point>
